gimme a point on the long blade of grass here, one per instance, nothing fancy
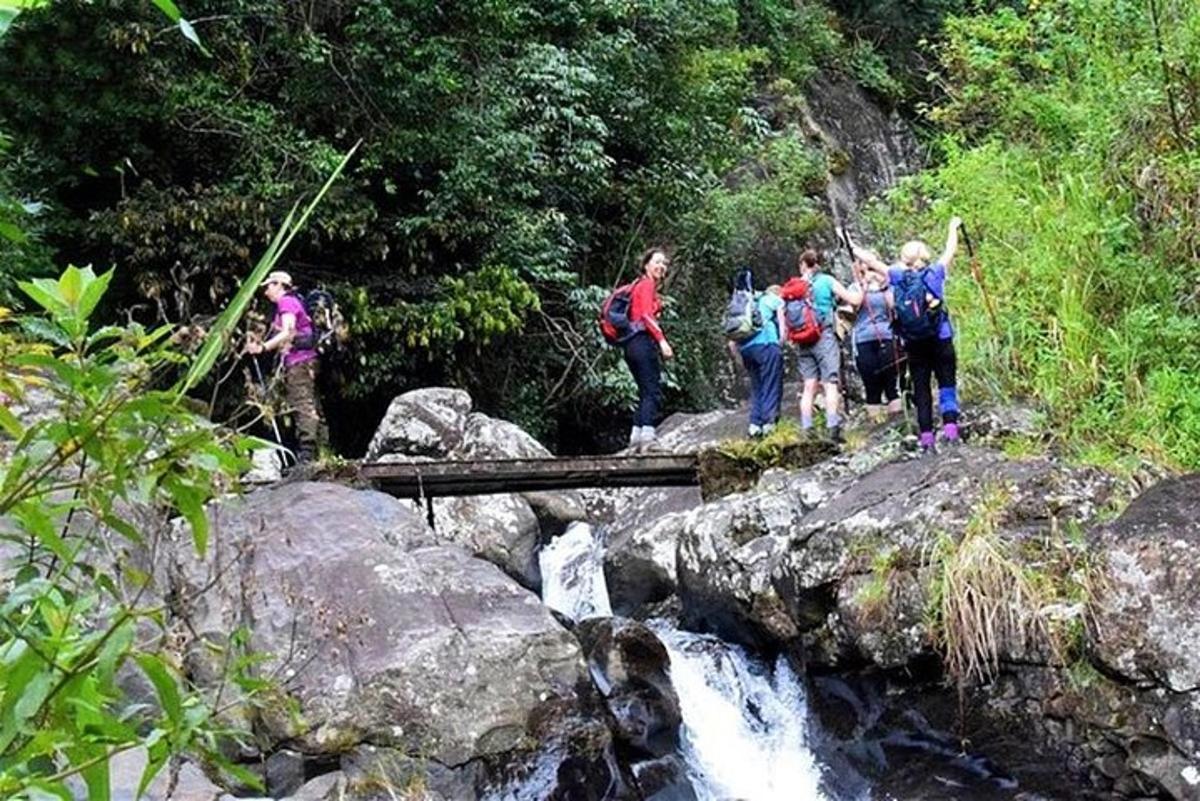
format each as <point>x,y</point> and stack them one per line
<point>222,331</point>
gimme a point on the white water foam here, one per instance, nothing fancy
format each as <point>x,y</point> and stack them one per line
<point>573,574</point>
<point>745,727</point>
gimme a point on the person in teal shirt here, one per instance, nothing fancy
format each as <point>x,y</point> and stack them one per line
<point>762,356</point>
<point>821,362</point>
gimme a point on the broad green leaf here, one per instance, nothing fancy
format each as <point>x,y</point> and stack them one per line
<point>71,284</point>
<point>169,8</point>
<point>159,750</point>
<point>8,230</point>
<point>164,685</point>
<point>93,291</point>
<point>43,329</point>
<point>44,293</point>
<point>11,425</point>
<point>48,791</point>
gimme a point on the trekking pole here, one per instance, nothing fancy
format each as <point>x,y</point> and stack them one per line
<point>988,304</point>
<point>262,382</point>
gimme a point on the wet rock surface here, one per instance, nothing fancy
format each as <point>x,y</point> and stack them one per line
<point>379,637</point>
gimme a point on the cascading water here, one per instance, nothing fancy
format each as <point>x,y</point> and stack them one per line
<point>744,724</point>
<point>573,574</point>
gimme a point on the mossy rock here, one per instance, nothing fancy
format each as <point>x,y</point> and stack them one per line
<point>736,465</point>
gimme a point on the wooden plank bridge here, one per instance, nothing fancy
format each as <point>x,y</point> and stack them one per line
<point>453,477</point>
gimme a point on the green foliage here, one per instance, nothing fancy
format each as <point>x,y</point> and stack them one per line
<point>105,455</point>
<point>515,154</point>
<point>1069,149</point>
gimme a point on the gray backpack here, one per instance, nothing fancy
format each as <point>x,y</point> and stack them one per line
<point>742,318</point>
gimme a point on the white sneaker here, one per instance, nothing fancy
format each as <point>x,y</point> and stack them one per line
<point>767,428</point>
<point>635,436</point>
<point>648,436</point>
<point>754,430</point>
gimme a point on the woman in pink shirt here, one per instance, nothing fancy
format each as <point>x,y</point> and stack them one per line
<point>645,348</point>
<point>292,337</point>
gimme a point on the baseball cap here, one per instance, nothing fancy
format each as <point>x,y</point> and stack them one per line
<point>277,277</point>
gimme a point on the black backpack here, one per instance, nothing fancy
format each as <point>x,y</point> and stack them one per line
<point>919,311</point>
<point>329,329</point>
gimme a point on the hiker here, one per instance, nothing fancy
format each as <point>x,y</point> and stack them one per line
<point>923,323</point>
<point>876,354</point>
<point>762,356</point>
<point>820,363</point>
<point>647,346</point>
<point>292,337</point>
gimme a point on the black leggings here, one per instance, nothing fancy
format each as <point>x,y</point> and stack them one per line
<point>876,362</point>
<point>641,354</point>
<point>927,358</point>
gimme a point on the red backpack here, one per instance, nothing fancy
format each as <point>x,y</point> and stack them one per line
<point>615,325</point>
<point>803,324</point>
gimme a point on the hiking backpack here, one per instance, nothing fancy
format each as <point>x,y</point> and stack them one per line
<point>803,322</point>
<point>743,319</point>
<point>329,329</point>
<point>918,309</point>
<point>615,325</point>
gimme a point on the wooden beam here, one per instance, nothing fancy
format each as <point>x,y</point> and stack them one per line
<point>451,477</point>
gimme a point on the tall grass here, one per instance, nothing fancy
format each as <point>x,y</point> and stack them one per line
<point>1063,159</point>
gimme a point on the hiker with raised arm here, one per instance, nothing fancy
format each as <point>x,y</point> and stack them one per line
<point>761,354</point>
<point>292,337</point>
<point>875,348</point>
<point>919,296</point>
<point>819,362</point>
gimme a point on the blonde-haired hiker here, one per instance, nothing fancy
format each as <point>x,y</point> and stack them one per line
<point>919,294</point>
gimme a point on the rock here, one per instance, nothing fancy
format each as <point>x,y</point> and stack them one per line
<point>424,422</point>
<point>284,772</point>
<point>499,528</point>
<point>377,637</point>
<point>266,467</point>
<point>488,438</point>
<point>382,774</point>
<point>556,510</point>
<point>1146,627</point>
<point>763,567</point>
<point>176,781</point>
<point>639,557</point>
<point>631,668</point>
<point>327,787</point>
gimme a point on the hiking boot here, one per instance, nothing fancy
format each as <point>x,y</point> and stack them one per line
<point>950,433</point>
<point>835,434</point>
<point>926,442</point>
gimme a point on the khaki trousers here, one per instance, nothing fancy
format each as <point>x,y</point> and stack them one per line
<point>300,387</point>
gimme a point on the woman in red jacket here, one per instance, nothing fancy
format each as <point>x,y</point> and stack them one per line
<point>643,349</point>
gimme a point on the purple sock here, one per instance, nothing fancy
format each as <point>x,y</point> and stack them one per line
<point>926,440</point>
<point>950,432</point>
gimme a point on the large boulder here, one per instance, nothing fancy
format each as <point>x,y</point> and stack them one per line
<point>640,545</point>
<point>377,636</point>
<point>1145,624</point>
<point>501,529</point>
<point>507,529</point>
<point>424,422</point>
<point>766,566</point>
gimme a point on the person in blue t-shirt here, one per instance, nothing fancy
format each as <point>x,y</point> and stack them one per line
<point>762,356</point>
<point>821,362</point>
<point>932,356</point>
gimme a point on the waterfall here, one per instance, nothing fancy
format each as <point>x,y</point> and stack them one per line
<point>745,727</point>
<point>573,574</point>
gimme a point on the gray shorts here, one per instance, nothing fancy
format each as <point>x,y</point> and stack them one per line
<point>822,360</point>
